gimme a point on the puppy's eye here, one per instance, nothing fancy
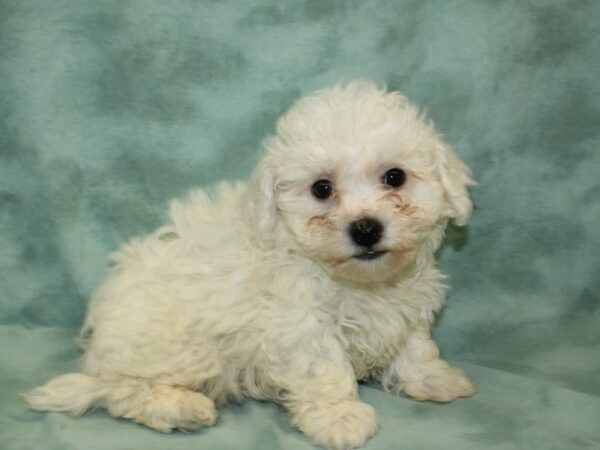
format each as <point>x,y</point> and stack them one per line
<point>322,189</point>
<point>394,177</point>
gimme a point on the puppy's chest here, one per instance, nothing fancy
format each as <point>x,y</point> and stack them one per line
<point>372,330</point>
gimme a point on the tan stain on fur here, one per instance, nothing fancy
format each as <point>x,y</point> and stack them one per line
<point>322,222</point>
<point>406,209</point>
<point>402,207</point>
<point>405,253</point>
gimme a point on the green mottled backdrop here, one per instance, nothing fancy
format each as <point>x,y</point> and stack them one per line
<point>110,108</point>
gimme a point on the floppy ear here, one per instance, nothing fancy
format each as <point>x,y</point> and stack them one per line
<point>261,207</point>
<point>455,176</point>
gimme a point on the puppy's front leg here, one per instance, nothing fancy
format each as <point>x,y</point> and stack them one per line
<point>418,372</point>
<point>322,401</point>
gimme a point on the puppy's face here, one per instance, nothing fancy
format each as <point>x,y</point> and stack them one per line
<point>362,183</point>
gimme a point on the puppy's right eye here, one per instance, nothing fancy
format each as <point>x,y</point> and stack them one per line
<point>322,189</point>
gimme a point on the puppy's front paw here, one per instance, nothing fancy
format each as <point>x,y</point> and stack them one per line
<point>341,426</point>
<point>439,382</point>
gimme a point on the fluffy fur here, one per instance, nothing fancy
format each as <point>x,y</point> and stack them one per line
<point>256,292</point>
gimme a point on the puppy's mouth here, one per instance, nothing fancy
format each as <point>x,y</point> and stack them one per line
<point>369,255</point>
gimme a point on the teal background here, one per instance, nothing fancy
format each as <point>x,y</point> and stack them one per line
<point>108,109</point>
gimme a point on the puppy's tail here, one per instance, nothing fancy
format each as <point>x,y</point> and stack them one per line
<point>74,393</point>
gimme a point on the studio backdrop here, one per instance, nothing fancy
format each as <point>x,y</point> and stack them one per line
<point>109,109</point>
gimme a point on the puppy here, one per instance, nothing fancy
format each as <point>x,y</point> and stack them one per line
<point>318,273</point>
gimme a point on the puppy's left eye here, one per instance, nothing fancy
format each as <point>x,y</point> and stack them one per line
<point>394,177</point>
<point>322,189</point>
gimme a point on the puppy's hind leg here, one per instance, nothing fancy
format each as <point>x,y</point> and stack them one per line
<point>160,406</point>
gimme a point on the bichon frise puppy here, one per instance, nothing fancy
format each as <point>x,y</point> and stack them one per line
<point>318,273</point>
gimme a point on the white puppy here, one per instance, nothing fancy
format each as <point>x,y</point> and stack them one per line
<point>319,273</point>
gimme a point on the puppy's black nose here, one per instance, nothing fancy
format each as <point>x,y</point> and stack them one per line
<point>366,232</point>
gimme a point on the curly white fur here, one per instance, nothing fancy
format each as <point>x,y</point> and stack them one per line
<point>256,292</point>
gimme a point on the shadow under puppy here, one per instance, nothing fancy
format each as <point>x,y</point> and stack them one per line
<point>318,273</point>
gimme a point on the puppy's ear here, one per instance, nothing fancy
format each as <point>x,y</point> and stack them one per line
<point>454,176</point>
<point>261,207</point>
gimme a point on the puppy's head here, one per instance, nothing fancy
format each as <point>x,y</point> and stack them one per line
<point>360,182</point>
